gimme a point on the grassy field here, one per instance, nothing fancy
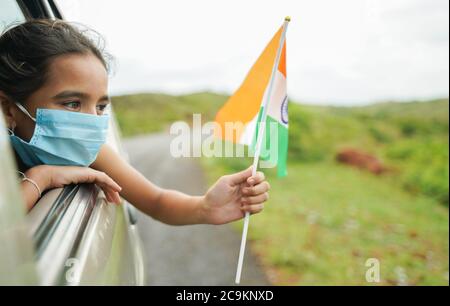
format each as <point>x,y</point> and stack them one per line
<point>324,220</point>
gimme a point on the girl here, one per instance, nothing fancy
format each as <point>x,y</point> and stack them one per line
<point>53,93</point>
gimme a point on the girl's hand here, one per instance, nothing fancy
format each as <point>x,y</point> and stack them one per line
<point>49,177</point>
<point>233,195</point>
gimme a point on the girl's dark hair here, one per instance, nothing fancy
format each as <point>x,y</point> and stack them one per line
<point>27,50</point>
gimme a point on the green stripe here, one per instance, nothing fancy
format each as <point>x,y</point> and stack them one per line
<point>278,134</point>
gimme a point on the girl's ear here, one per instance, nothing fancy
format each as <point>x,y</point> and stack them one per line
<point>7,108</point>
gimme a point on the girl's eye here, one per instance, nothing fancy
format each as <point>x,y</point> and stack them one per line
<point>73,105</point>
<point>101,108</point>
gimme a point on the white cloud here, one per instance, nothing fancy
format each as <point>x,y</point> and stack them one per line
<point>339,52</point>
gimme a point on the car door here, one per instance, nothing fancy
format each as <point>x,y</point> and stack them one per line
<point>72,236</point>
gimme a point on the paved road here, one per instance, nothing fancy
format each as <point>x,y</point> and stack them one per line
<point>185,255</point>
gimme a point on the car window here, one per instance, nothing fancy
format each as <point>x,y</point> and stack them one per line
<point>10,12</point>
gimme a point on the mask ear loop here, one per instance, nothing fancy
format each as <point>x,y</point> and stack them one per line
<point>20,106</point>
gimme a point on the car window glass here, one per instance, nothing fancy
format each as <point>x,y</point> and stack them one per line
<point>10,13</point>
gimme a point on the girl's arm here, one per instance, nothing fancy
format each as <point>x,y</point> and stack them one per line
<point>226,201</point>
<point>49,177</point>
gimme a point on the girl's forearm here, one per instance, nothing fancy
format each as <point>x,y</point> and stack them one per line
<point>30,195</point>
<point>40,176</point>
<point>176,208</point>
<point>168,206</point>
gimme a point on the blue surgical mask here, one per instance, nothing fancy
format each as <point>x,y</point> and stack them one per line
<point>62,138</point>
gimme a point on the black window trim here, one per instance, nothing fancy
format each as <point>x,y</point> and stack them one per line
<point>34,9</point>
<point>56,12</point>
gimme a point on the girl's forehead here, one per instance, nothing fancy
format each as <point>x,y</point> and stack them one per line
<point>77,72</point>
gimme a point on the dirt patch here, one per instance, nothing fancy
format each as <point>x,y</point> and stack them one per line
<point>361,160</point>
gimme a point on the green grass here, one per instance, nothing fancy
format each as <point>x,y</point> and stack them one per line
<point>324,220</point>
<point>410,138</point>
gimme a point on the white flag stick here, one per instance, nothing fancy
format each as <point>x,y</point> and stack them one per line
<point>261,130</point>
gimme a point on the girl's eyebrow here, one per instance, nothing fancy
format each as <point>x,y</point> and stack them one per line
<point>105,98</point>
<point>70,94</point>
<point>76,94</point>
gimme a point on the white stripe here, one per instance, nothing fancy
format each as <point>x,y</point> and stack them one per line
<point>274,108</point>
<point>278,95</point>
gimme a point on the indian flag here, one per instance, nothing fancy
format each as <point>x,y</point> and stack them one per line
<point>263,90</point>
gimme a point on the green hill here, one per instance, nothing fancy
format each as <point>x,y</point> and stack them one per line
<point>147,113</point>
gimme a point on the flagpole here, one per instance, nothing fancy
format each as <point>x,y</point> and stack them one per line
<point>261,130</point>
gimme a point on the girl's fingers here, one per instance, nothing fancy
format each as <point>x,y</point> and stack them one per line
<point>113,197</point>
<point>114,185</point>
<point>256,190</point>
<point>239,177</point>
<point>261,198</point>
<point>104,178</point>
<point>108,198</point>
<point>109,186</point>
<point>256,179</point>
<point>253,209</point>
<point>116,198</point>
<point>88,175</point>
<point>107,193</point>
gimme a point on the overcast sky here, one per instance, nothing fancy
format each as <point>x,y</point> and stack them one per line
<point>339,52</point>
